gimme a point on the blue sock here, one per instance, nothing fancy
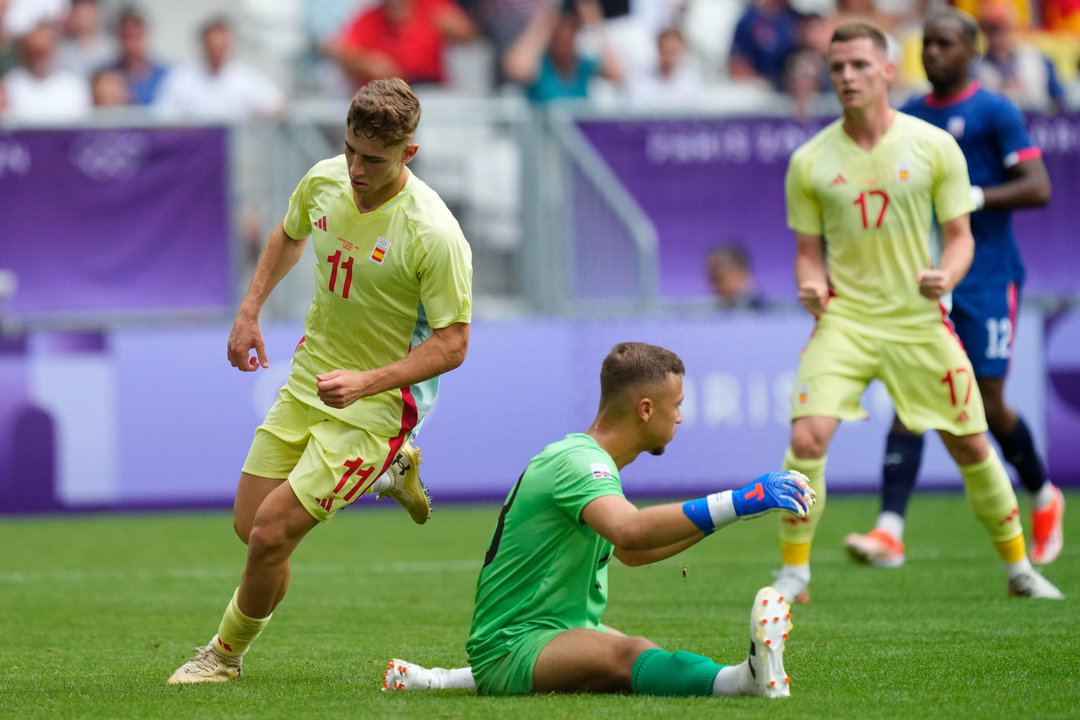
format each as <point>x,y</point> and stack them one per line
<point>903,453</point>
<point>1019,449</point>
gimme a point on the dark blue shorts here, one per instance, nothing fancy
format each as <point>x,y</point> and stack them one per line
<point>985,321</point>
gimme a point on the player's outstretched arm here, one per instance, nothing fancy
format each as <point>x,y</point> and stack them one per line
<point>440,353</point>
<point>655,533</point>
<point>277,258</point>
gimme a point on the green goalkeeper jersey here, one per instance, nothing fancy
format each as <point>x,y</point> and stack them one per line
<point>546,568</point>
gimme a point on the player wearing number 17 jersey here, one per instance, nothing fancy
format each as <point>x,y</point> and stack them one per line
<point>862,196</point>
<point>1007,172</point>
<point>391,312</point>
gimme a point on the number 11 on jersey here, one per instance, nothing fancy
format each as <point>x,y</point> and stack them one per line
<point>335,260</point>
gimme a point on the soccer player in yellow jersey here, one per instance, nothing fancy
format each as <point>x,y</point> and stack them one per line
<point>862,196</point>
<point>391,312</point>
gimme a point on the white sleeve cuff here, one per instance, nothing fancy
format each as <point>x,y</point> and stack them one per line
<point>978,197</point>
<point>721,509</point>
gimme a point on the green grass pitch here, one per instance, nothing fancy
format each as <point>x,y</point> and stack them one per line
<point>97,611</point>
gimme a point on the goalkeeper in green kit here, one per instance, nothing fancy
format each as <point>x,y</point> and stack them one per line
<point>537,623</point>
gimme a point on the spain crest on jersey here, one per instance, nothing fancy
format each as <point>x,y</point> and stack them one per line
<point>903,170</point>
<point>382,246</point>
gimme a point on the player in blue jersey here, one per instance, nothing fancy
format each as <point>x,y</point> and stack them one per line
<point>1006,172</point>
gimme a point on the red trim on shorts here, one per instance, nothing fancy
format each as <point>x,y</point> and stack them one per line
<point>409,415</point>
<point>933,102</point>
<point>947,321</point>
<point>1012,293</point>
<point>302,339</point>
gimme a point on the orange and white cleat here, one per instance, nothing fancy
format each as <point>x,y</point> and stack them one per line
<point>404,675</point>
<point>877,547</point>
<point>1047,537</point>
<point>770,623</point>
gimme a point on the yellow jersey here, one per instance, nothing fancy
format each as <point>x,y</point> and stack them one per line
<point>383,280</point>
<point>876,210</point>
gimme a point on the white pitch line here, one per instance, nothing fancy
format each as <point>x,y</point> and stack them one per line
<point>13,577</point>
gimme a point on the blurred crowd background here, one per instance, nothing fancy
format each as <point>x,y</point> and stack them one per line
<point>486,70</point>
<point>617,166</point>
<point>63,59</point>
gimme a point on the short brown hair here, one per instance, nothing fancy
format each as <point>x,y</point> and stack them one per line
<point>631,364</point>
<point>385,109</point>
<point>855,30</point>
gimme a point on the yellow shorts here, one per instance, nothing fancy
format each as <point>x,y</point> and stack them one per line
<point>931,383</point>
<point>328,463</point>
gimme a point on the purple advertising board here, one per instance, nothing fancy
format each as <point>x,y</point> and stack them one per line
<point>115,221</point>
<point>157,418</point>
<point>705,182</point>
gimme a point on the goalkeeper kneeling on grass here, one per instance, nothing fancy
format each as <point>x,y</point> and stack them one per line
<point>543,587</point>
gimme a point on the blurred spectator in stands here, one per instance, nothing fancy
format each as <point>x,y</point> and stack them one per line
<point>109,88</point>
<point>672,82</point>
<point>502,22</point>
<point>3,98</point>
<point>323,21</point>
<point>1062,16</point>
<point>732,279</point>
<point>765,35</point>
<point>8,59</point>
<point>84,47</point>
<point>1013,68</point>
<point>632,26</point>
<point>559,53</point>
<point>144,75</point>
<point>36,89</point>
<point>401,38</point>
<point>218,87</point>
<point>22,16</point>
<point>866,11</point>
<point>806,71</point>
<point>1022,10</point>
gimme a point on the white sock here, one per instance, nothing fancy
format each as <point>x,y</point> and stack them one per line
<point>800,572</point>
<point>382,484</point>
<point>1044,496</point>
<point>734,680</point>
<point>1020,567</point>
<point>454,678</point>
<point>891,523</point>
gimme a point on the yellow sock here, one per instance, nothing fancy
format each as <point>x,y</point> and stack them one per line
<point>800,531</point>
<point>1012,551</point>
<point>795,553</point>
<point>992,499</point>
<point>237,631</point>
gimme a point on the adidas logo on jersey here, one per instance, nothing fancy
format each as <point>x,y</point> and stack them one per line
<point>321,223</point>
<point>838,180</point>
